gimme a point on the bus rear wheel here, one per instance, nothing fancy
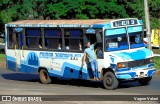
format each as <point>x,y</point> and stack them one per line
<point>145,81</point>
<point>44,76</point>
<point>110,81</point>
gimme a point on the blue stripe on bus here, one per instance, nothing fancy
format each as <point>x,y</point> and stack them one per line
<point>29,69</point>
<point>134,29</point>
<point>11,58</point>
<point>136,55</point>
<point>11,65</point>
<point>126,75</point>
<point>151,65</point>
<point>151,72</point>
<point>115,31</point>
<point>66,73</point>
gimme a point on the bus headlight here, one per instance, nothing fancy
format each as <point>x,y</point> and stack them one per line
<point>152,59</point>
<point>122,65</point>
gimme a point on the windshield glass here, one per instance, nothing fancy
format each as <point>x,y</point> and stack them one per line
<point>116,39</point>
<point>136,40</point>
<point>136,37</point>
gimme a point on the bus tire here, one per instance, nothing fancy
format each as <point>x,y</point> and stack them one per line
<point>44,76</point>
<point>145,81</point>
<point>110,81</point>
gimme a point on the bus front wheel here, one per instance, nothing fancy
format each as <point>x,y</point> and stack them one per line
<point>44,76</point>
<point>110,81</point>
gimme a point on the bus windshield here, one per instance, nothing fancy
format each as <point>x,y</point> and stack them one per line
<point>116,39</point>
<point>136,40</point>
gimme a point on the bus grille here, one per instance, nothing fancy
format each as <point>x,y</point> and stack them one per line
<point>139,63</point>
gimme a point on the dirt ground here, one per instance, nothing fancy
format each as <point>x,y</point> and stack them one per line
<point>2,64</point>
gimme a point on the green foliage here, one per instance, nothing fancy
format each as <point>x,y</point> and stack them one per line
<point>157,62</point>
<point>8,11</point>
<point>13,10</point>
<point>135,8</point>
<point>156,59</point>
<point>156,51</point>
<point>1,40</point>
<point>2,57</point>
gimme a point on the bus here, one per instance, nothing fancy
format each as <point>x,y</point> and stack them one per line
<point>55,48</point>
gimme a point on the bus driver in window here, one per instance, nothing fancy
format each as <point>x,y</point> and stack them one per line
<point>89,52</point>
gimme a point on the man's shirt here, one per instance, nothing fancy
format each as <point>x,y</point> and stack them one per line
<point>90,53</point>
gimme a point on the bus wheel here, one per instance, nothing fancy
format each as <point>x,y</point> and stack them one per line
<point>110,81</point>
<point>145,81</point>
<point>44,76</point>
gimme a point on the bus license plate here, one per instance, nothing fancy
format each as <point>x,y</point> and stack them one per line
<point>141,74</point>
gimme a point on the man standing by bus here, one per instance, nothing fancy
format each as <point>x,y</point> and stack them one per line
<point>89,52</point>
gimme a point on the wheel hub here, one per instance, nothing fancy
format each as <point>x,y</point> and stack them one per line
<point>44,76</point>
<point>109,81</point>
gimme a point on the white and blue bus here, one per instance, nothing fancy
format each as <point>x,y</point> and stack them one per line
<point>55,48</point>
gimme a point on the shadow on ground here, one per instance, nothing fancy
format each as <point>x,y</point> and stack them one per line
<point>68,82</point>
<point>21,77</point>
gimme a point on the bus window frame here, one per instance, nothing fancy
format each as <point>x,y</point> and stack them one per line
<point>70,50</point>
<point>127,34</point>
<point>14,38</point>
<point>136,32</point>
<point>51,37</point>
<point>25,36</point>
<point>127,37</point>
<point>8,38</point>
<point>43,39</point>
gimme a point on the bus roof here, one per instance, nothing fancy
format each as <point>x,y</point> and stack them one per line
<point>57,22</point>
<point>60,23</point>
<point>91,23</point>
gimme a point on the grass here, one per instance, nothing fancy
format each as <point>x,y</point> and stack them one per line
<point>1,40</point>
<point>157,62</point>
<point>2,57</point>
<point>156,59</point>
<point>2,60</point>
<point>156,51</point>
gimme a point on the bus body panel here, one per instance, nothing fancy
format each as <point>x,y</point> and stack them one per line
<point>58,64</point>
<point>68,64</point>
<point>139,69</point>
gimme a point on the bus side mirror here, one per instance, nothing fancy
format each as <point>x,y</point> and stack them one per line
<point>99,38</point>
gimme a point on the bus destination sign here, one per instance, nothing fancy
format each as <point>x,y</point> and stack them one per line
<point>125,22</point>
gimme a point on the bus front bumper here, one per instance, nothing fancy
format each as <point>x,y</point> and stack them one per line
<point>133,74</point>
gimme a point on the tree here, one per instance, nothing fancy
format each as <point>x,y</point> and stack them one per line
<point>135,8</point>
<point>13,10</point>
<point>8,11</point>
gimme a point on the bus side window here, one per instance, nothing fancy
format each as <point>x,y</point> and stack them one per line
<point>10,38</point>
<point>76,44</point>
<point>53,38</point>
<point>33,38</point>
<point>73,39</point>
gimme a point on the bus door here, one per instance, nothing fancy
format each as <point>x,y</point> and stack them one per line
<point>92,38</point>
<point>18,50</point>
<point>95,37</point>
